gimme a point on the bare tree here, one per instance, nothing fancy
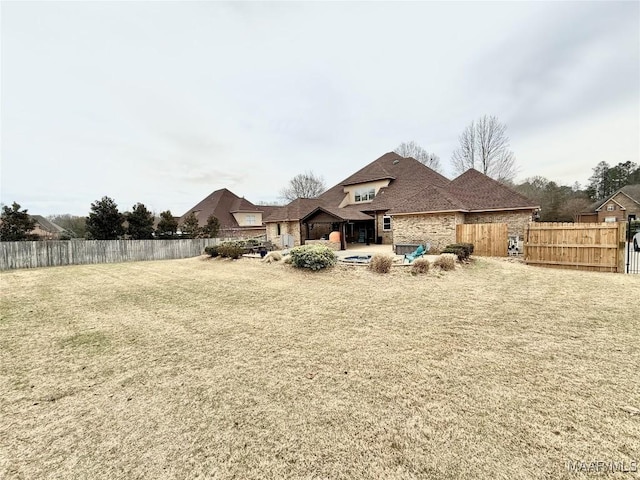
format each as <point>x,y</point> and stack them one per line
<point>303,185</point>
<point>413,150</point>
<point>484,146</point>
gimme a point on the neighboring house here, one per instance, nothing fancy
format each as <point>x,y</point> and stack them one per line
<point>238,217</point>
<point>47,230</point>
<point>397,200</point>
<point>619,207</point>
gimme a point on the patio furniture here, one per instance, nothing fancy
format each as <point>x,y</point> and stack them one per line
<point>419,252</point>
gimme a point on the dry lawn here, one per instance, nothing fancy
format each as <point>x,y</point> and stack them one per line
<point>239,369</point>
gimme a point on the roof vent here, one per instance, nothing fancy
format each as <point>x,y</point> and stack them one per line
<point>396,161</point>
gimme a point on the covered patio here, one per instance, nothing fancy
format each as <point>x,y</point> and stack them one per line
<point>353,226</point>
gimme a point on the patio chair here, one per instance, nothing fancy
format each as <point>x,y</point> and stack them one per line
<point>418,252</point>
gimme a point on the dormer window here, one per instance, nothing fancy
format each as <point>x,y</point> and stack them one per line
<point>611,207</point>
<point>364,194</point>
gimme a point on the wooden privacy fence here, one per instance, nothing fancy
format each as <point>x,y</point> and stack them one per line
<point>582,246</point>
<point>76,252</point>
<point>489,239</point>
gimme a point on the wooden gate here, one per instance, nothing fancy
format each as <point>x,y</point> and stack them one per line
<point>489,239</point>
<point>598,247</point>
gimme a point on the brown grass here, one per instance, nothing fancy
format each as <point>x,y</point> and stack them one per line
<point>241,369</point>
<point>420,266</point>
<point>380,263</point>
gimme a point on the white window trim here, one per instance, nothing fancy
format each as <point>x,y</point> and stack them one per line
<point>611,207</point>
<point>385,225</point>
<point>610,219</point>
<point>369,193</point>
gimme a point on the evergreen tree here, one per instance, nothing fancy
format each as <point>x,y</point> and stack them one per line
<point>105,221</point>
<point>191,227</point>
<point>140,222</point>
<point>167,226</point>
<point>212,227</point>
<point>15,225</point>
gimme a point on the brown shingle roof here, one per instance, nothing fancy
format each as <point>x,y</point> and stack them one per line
<point>221,204</point>
<point>343,214</point>
<point>407,175</point>
<point>47,225</point>
<point>471,191</point>
<point>295,210</point>
<point>480,192</point>
<point>633,191</point>
<point>429,199</point>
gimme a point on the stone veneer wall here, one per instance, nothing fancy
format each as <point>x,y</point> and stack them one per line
<point>387,235</point>
<point>438,229</point>
<point>516,220</point>
<point>286,228</point>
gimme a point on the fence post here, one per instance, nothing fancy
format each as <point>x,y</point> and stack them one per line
<point>627,246</point>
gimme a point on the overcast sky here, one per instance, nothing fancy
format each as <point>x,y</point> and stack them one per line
<point>164,102</point>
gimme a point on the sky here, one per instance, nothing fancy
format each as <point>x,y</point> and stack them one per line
<point>165,102</point>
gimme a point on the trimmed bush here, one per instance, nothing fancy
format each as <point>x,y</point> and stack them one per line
<point>420,265</point>
<point>231,250</point>
<point>212,250</point>
<point>381,263</point>
<point>462,250</point>
<point>446,261</point>
<point>314,257</point>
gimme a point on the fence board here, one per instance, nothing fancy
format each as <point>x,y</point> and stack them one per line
<point>582,246</point>
<point>489,239</point>
<point>79,252</point>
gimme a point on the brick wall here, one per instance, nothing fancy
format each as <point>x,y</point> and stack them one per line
<point>621,215</point>
<point>516,220</point>
<point>437,229</point>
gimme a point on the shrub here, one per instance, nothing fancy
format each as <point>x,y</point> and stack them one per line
<point>272,257</point>
<point>212,250</point>
<point>314,257</point>
<point>446,261</point>
<point>231,250</point>
<point>420,265</point>
<point>462,250</point>
<point>381,263</point>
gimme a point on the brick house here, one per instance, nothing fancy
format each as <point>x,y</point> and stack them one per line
<point>238,217</point>
<point>47,230</point>
<point>619,207</point>
<point>397,200</point>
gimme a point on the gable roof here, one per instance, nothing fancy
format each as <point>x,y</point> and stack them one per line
<point>407,175</point>
<point>631,191</point>
<point>341,214</point>
<point>471,191</point>
<point>47,225</point>
<point>295,210</point>
<point>222,204</point>
<point>413,188</point>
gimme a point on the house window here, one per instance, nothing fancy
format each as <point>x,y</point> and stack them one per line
<point>611,207</point>
<point>610,219</point>
<point>386,222</point>
<point>250,220</point>
<point>364,194</point>
<point>278,229</point>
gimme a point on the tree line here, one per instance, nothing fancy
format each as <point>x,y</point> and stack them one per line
<point>482,145</point>
<point>106,222</point>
